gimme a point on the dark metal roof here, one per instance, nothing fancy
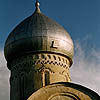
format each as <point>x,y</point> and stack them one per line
<point>38,33</point>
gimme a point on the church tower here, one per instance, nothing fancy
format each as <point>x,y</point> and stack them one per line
<point>39,54</point>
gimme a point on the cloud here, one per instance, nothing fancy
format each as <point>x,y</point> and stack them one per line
<point>86,67</point>
<point>2,59</point>
<point>4,79</point>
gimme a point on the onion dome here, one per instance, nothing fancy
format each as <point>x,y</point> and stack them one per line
<point>36,34</point>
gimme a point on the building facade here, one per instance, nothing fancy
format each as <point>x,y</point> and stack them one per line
<point>39,54</point>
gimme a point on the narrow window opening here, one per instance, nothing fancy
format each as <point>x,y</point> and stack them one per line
<point>46,78</point>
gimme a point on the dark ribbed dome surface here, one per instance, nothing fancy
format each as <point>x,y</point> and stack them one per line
<point>36,34</point>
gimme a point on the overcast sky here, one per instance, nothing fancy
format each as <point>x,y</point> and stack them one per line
<point>81,18</point>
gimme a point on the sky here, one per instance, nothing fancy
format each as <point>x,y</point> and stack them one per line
<point>81,18</point>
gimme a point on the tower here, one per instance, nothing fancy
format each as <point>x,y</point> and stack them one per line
<point>39,54</point>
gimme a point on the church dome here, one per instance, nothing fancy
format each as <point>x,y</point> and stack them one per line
<point>38,33</point>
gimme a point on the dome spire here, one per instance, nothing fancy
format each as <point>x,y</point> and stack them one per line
<point>37,4</point>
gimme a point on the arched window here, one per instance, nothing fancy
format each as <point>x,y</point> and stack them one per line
<point>46,77</point>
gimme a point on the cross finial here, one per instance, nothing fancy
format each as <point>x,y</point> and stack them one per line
<point>37,4</point>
